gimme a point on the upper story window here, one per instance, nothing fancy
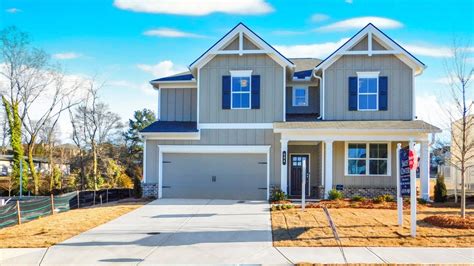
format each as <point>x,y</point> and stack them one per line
<point>241,88</point>
<point>368,159</point>
<point>368,91</point>
<point>300,96</point>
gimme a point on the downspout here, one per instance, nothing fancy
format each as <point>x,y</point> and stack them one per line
<point>321,94</point>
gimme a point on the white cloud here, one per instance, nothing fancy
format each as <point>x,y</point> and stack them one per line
<point>143,87</point>
<point>162,69</point>
<point>66,56</point>
<point>195,7</point>
<point>13,10</point>
<point>317,50</point>
<point>171,33</point>
<point>348,1</point>
<point>360,22</point>
<point>431,51</point>
<point>319,17</point>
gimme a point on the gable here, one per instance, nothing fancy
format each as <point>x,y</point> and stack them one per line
<point>378,43</point>
<point>363,45</point>
<point>234,44</point>
<point>246,42</point>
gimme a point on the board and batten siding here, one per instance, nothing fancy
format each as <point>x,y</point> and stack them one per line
<point>400,87</point>
<point>313,101</point>
<point>178,104</point>
<point>271,89</point>
<point>339,176</point>
<point>221,137</point>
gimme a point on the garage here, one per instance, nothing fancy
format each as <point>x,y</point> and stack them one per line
<point>214,175</point>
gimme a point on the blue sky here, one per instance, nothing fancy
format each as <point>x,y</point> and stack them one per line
<point>127,42</point>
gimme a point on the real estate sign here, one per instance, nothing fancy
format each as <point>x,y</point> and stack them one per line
<point>404,172</point>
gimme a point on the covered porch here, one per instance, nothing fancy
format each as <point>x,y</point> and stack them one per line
<point>357,157</point>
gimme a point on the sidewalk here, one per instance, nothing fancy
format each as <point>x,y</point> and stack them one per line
<point>30,256</point>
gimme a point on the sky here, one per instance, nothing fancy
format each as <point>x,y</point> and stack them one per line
<point>126,43</point>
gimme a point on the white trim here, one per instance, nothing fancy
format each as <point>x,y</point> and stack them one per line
<point>396,49</point>
<point>314,135</point>
<point>225,149</point>
<point>323,112</point>
<point>284,168</point>
<point>284,94</point>
<point>367,157</point>
<point>172,135</point>
<point>198,91</point>
<point>236,126</point>
<point>206,57</point>
<point>240,74</point>
<point>369,43</point>
<point>368,75</point>
<point>308,192</point>
<point>328,166</point>
<point>241,43</point>
<point>322,162</point>
<point>144,160</point>
<point>227,52</point>
<point>174,85</point>
<point>413,98</point>
<point>293,91</point>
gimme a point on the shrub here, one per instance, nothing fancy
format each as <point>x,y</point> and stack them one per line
<point>335,194</point>
<point>440,192</point>
<point>422,201</point>
<point>379,199</point>
<point>388,198</point>
<point>282,207</point>
<point>277,195</point>
<point>357,198</point>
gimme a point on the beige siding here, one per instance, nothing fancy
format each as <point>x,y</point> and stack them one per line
<point>178,104</point>
<point>234,45</point>
<point>315,163</point>
<point>221,137</point>
<point>313,99</point>
<point>400,88</point>
<point>271,89</point>
<point>362,181</point>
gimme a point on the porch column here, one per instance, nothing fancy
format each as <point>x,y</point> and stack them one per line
<point>328,167</point>
<point>284,166</point>
<point>424,170</point>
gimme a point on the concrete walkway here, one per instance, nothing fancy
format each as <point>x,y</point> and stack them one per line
<point>206,231</point>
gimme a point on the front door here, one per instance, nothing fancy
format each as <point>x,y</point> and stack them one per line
<point>296,171</point>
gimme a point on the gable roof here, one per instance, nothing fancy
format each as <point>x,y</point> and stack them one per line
<point>252,36</point>
<point>184,76</point>
<point>372,30</point>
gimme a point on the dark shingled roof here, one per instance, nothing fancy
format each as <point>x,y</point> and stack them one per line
<point>170,126</point>
<point>178,77</point>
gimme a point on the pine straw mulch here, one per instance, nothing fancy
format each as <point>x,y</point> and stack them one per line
<point>52,229</point>
<point>450,221</point>
<point>360,227</point>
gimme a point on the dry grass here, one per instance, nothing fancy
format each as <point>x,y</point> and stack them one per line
<point>49,230</point>
<point>365,227</point>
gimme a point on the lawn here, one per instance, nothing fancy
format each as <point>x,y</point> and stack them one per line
<point>49,230</point>
<point>364,227</point>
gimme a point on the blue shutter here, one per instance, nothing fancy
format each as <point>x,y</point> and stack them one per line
<point>383,93</point>
<point>352,93</point>
<point>255,92</point>
<point>225,92</point>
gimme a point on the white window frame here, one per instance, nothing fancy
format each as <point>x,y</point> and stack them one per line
<point>367,158</point>
<point>293,93</point>
<point>361,75</point>
<point>240,74</point>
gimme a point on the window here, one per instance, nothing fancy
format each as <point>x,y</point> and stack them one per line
<point>240,89</point>
<point>368,90</point>
<point>300,96</point>
<point>368,159</point>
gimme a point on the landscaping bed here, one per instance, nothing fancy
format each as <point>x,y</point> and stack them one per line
<point>52,229</point>
<point>360,226</point>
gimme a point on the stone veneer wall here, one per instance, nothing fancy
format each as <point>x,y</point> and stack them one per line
<point>368,192</point>
<point>150,190</point>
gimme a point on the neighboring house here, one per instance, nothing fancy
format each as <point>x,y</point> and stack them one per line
<point>455,179</point>
<point>42,165</point>
<point>244,117</point>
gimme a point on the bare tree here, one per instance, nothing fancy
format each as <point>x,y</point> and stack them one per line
<point>460,73</point>
<point>49,102</point>
<point>93,124</point>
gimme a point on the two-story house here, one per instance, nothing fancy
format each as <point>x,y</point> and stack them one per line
<point>245,117</point>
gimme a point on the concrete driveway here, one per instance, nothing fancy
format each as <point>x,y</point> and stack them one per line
<point>177,231</point>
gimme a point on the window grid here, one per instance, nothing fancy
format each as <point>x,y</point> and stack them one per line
<point>367,93</point>
<point>367,159</point>
<point>240,92</point>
